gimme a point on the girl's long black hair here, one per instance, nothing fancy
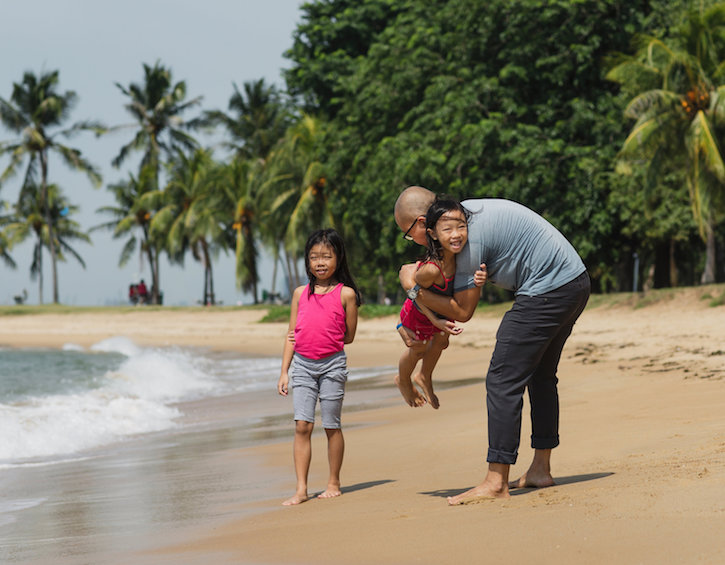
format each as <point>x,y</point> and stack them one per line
<point>439,207</point>
<point>342,272</point>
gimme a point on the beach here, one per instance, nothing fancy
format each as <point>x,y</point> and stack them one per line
<point>640,472</point>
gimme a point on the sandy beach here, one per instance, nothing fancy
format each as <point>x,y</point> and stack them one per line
<point>640,471</point>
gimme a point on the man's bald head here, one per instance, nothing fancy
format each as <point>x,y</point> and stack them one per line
<point>413,202</point>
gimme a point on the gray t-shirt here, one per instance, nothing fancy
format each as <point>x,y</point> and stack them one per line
<point>522,251</point>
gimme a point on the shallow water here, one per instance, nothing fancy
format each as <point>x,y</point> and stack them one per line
<point>108,452</point>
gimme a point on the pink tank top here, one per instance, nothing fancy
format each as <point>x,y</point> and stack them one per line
<point>320,327</point>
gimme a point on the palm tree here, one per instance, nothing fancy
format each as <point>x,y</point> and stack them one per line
<point>257,119</point>
<point>191,217</point>
<point>157,106</point>
<point>296,194</point>
<point>35,108</point>
<point>130,217</point>
<point>240,188</point>
<point>30,220</point>
<point>679,113</point>
<point>5,219</point>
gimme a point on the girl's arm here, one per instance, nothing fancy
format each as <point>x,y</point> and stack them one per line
<point>427,275</point>
<point>289,345</point>
<point>349,303</point>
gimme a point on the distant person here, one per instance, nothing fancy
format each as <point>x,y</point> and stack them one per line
<point>446,233</point>
<point>133,293</point>
<point>323,318</point>
<point>143,293</point>
<point>518,250</point>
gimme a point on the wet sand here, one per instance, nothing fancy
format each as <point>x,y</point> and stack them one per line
<point>640,472</point>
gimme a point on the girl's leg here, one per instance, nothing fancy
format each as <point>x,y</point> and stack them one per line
<point>335,452</point>
<point>424,379</point>
<point>408,360</point>
<point>302,455</point>
<point>332,393</point>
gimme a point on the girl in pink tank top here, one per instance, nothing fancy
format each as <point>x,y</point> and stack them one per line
<point>323,318</point>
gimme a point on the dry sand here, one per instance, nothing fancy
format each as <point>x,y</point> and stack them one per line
<point>640,471</point>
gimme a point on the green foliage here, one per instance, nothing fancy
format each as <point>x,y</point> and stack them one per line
<point>508,101</point>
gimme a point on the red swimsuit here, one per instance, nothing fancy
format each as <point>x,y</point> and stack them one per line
<point>412,318</point>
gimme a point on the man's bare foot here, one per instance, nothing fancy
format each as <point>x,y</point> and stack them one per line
<point>481,493</point>
<point>533,480</point>
<point>330,492</point>
<point>427,386</point>
<point>410,393</point>
<point>296,499</point>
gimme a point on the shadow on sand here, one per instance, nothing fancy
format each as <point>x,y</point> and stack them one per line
<point>361,486</point>
<point>559,481</point>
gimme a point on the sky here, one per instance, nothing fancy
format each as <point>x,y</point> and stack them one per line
<point>96,43</point>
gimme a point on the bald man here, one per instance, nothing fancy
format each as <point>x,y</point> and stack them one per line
<point>521,252</point>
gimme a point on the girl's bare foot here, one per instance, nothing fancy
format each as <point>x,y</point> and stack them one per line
<point>427,386</point>
<point>410,393</point>
<point>332,491</point>
<point>296,499</point>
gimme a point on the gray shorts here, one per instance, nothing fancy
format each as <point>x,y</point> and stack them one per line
<point>323,378</point>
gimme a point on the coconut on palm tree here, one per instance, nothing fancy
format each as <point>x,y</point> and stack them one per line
<point>679,112</point>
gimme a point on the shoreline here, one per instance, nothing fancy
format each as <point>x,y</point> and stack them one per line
<point>640,472</point>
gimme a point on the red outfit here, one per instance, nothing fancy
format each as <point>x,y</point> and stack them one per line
<point>412,318</point>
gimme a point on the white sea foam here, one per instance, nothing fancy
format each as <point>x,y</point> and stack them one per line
<point>132,390</point>
<point>117,344</point>
<point>137,397</point>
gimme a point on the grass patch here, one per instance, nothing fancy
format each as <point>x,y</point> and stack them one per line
<point>718,300</point>
<point>276,314</point>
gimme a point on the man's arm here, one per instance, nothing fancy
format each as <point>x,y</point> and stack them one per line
<point>459,307</point>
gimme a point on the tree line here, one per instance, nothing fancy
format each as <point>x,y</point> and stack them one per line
<point>604,116</point>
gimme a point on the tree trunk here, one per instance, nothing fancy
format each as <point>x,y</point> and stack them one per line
<point>674,275</point>
<point>154,266</point>
<point>49,222</point>
<point>274,269</point>
<point>295,265</point>
<point>708,275</point>
<point>208,276</point>
<point>290,282</point>
<point>39,260</point>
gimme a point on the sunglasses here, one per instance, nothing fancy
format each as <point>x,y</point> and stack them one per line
<point>407,235</point>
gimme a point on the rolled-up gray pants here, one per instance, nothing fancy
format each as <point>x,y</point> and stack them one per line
<point>324,378</point>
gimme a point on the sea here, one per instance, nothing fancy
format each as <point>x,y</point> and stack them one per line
<point>58,404</point>
<point>101,446</point>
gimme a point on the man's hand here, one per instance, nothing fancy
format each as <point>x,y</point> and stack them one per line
<point>447,326</point>
<point>480,277</point>
<point>408,337</point>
